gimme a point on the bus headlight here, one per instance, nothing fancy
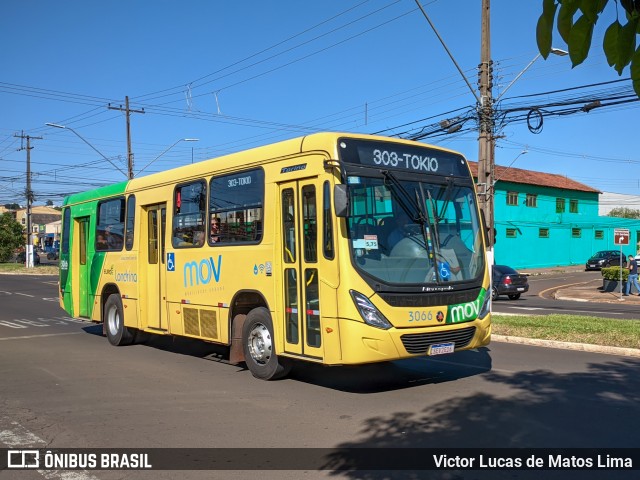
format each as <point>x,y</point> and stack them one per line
<point>486,305</point>
<point>370,314</point>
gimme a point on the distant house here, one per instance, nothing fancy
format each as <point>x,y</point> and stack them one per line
<point>546,220</point>
<point>40,218</point>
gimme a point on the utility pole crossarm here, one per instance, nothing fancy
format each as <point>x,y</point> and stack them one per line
<point>128,111</point>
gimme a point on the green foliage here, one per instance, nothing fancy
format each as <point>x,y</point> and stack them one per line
<point>613,273</point>
<point>619,44</point>
<point>624,212</point>
<point>11,236</point>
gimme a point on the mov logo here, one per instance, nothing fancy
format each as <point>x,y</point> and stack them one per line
<point>202,273</point>
<point>23,459</point>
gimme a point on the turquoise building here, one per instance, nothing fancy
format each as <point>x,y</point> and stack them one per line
<point>548,220</point>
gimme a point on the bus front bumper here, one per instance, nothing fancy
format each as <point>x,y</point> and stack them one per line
<point>362,343</point>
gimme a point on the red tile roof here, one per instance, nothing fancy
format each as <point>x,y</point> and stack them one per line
<point>529,177</point>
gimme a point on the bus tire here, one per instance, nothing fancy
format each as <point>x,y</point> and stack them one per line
<point>117,333</point>
<point>259,347</point>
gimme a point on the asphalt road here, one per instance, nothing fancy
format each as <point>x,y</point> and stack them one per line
<point>62,385</point>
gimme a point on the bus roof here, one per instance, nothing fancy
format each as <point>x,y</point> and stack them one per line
<point>316,142</point>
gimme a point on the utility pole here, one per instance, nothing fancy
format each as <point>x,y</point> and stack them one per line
<point>128,113</point>
<point>30,198</point>
<point>486,139</point>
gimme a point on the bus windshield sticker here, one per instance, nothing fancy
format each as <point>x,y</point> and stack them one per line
<point>369,242</point>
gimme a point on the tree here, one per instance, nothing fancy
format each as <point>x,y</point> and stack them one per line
<point>11,236</point>
<point>49,203</point>
<point>624,212</point>
<point>12,206</point>
<point>619,42</point>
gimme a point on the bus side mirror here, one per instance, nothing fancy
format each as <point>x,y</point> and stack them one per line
<point>341,200</point>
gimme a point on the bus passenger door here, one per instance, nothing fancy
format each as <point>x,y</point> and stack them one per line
<point>80,258</point>
<point>153,305</point>
<point>301,309</point>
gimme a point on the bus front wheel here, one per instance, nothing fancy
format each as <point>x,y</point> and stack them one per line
<point>117,333</point>
<point>259,346</point>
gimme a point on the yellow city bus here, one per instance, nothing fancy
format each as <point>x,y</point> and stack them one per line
<point>333,248</point>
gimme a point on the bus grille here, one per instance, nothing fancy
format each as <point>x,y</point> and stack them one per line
<point>418,343</point>
<point>429,299</point>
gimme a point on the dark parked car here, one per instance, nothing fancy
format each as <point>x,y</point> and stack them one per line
<point>22,258</point>
<point>506,281</point>
<point>605,258</point>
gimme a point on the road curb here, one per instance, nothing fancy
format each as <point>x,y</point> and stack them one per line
<point>583,347</point>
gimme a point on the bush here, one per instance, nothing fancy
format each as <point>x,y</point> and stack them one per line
<point>613,273</point>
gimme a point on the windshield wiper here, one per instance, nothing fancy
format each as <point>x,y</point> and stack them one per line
<point>414,208</point>
<point>410,206</point>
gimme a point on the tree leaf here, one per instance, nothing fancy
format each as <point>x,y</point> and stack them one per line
<point>544,36</point>
<point>544,28</point>
<point>635,71</point>
<point>565,18</point>
<point>589,8</point>
<point>626,44</point>
<point>610,43</point>
<point>580,40</point>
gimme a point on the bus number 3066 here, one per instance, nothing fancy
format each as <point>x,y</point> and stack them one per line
<point>420,316</point>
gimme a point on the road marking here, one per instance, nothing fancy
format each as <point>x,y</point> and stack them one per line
<point>527,308</point>
<point>9,324</point>
<point>24,294</point>
<point>19,437</point>
<point>26,337</point>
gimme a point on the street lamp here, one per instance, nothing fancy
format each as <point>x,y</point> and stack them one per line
<point>555,51</point>
<point>55,125</point>
<point>523,152</point>
<point>177,142</point>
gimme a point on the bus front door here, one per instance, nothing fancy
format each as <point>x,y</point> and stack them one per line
<point>301,303</point>
<point>153,304</point>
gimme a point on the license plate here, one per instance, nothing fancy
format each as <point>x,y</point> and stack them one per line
<point>592,266</point>
<point>441,348</point>
<point>521,289</point>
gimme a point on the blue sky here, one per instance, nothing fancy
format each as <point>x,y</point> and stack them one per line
<point>241,74</point>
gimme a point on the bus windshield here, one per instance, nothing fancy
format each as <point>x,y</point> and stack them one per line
<point>414,232</point>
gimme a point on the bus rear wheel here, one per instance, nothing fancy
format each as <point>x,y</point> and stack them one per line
<point>259,347</point>
<point>117,333</point>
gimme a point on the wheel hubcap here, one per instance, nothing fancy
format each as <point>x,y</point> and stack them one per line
<point>113,321</point>
<point>259,343</point>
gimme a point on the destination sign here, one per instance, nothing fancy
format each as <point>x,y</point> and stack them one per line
<point>397,156</point>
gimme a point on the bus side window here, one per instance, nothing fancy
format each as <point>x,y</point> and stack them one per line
<point>189,214</point>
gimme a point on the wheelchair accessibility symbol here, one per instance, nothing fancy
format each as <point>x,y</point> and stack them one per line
<point>171,262</point>
<point>445,271</point>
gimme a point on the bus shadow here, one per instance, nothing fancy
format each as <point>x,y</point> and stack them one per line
<point>382,377</point>
<point>185,346</point>
<point>363,379</point>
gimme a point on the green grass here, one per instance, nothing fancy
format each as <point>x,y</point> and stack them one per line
<point>20,268</point>
<point>571,328</point>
